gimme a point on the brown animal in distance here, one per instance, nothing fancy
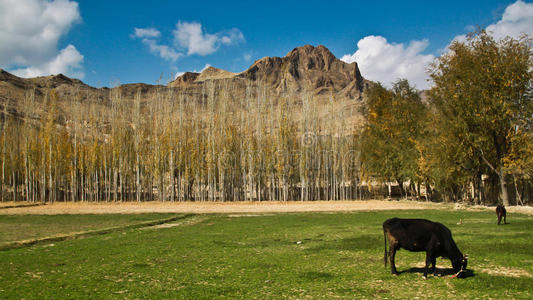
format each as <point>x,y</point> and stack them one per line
<point>501,212</point>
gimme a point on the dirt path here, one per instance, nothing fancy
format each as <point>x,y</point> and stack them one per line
<point>238,207</point>
<point>217,207</point>
<point>6,205</point>
<point>179,220</point>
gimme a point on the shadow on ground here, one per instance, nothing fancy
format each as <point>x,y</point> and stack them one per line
<point>439,272</point>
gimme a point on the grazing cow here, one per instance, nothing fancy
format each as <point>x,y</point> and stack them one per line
<point>501,212</point>
<point>422,235</point>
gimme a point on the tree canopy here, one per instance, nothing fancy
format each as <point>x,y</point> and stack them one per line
<point>483,93</point>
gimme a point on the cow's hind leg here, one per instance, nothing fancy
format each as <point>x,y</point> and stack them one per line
<point>430,257</point>
<point>393,247</point>
<point>434,264</point>
<point>428,262</point>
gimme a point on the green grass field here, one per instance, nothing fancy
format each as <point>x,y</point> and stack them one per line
<point>297,255</point>
<point>21,228</point>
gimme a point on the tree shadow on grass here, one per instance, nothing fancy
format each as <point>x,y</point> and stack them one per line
<point>439,272</point>
<point>312,275</point>
<point>362,242</point>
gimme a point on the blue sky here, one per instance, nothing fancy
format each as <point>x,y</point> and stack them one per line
<point>106,42</point>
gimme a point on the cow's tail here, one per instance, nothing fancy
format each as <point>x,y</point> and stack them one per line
<point>385,242</point>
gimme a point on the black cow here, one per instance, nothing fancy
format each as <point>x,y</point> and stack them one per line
<point>422,235</point>
<point>501,212</point>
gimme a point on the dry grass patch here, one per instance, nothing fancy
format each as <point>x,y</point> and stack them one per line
<point>185,222</point>
<point>505,271</point>
<point>222,207</point>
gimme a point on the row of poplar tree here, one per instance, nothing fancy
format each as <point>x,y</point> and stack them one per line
<point>468,138</point>
<point>170,148</point>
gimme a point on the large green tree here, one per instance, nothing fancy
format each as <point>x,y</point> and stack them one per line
<point>482,90</point>
<point>393,118</point>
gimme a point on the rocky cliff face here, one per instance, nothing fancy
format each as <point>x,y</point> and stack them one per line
<point>308,69</point>
<point>304,70</point>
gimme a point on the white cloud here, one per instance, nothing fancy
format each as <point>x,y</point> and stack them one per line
<point>163,51</point>
<point>29,35</point>
<point>516,20</point>
<point>192,37</point>
<point>382,61</point>
<point>149,37</point>
<point>68,61</point>
<point>146,33</point>
<point>232,36</point>
<point>188,39</point>
<point>386,62</point>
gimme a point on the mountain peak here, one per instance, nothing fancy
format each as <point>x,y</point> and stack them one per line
<point>309,57</point>
<point>308,68</point>
<point>307,50</point>
<point>214,73</point>
<point>183,79</point>
<point>209,73</point>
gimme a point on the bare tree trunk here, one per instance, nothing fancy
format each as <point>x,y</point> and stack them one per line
<point>115,185</point>
<point>26,174</point>
<point>3,159</point>
<point>402,190</point>
<point>121,181</point>
<point>504,193</point>
<point>50,184</point>
<point>137,177</point>
<point>172,177</point>
<point>42,186</point>
<point>518,196</point>
<point>14,181</point>
<point>97,187</point>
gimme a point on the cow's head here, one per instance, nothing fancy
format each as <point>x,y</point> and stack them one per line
<point>459,266</point>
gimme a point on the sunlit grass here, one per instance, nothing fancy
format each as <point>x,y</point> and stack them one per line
<point>317,255</point>
<point>15,228</point>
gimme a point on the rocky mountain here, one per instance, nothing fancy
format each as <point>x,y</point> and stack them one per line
<point>305,71</point>
<point>308,69</point>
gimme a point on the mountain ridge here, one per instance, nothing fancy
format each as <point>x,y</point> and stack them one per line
<point>305,71</point>
<point>302,69</point>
